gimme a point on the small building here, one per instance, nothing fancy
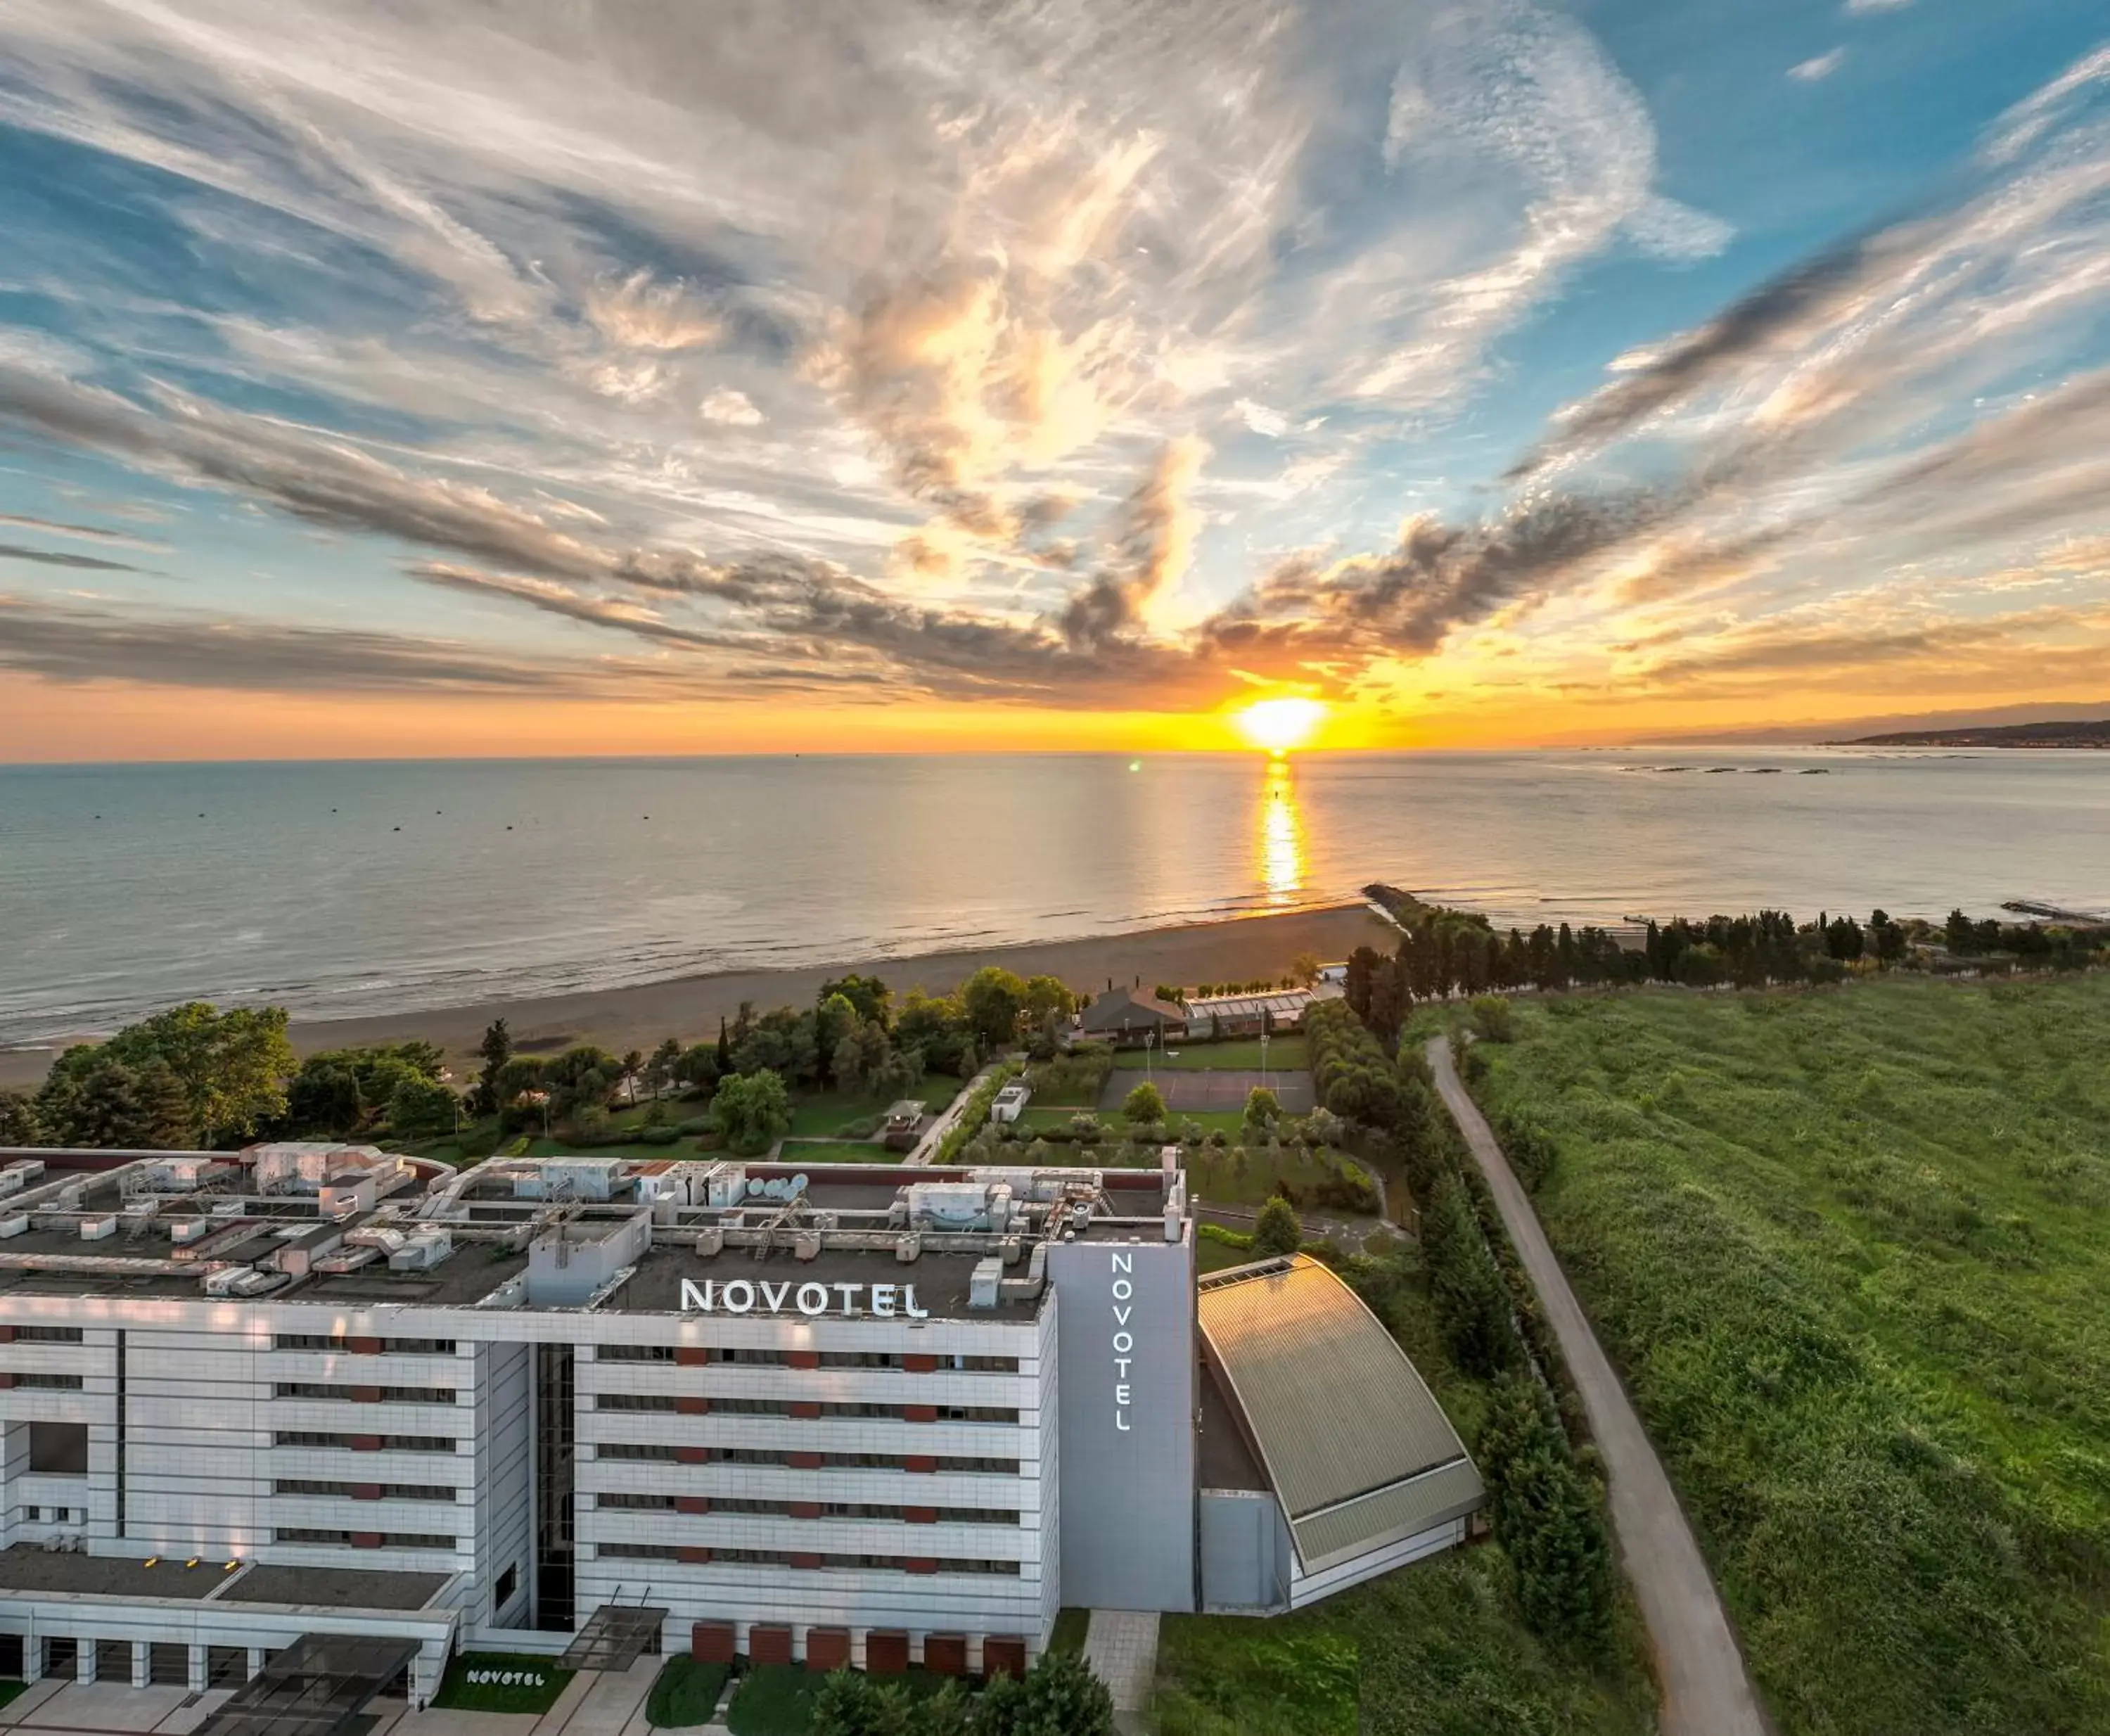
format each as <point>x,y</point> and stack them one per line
<point>1248,1015</point>
<point>1011,1102</point>
<point>1334,975</point>
<point>905,1122</point>
<point>1127,1015</point>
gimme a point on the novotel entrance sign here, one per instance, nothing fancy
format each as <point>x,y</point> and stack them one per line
<point>744,1296</point>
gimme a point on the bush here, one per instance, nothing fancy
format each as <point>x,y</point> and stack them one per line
<point>1277,1231</point>
<point>976,1115</point>
<point>1471,1299</point>
<point>1547,1518</point>
<point>752,1111</point>
<point>1144,1103</point>
<point>661,1135</point>
<point>1528,1146</point>
<point>1494,1019</point>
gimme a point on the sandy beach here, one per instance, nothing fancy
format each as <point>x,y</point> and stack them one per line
<point>689,1007</point>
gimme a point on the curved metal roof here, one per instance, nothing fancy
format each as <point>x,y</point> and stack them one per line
<point>1354,1442</point>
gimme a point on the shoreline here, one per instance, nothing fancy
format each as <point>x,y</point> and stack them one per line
<point>639,1015</point>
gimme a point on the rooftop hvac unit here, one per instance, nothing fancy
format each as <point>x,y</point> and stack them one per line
<point>30,1169</point>
<point>806,1245</point>
<point>985,1283</point>
<point>347,1259</point>
<point>240,1281</point>
<point>960,1205</point>
<point>98,1229</point>
<point>710,1241</point>
<point>14,1224</point>
<point>374,1236</point>
<point>11,1181</point>
<point>422,1252</point>
<point>908,1248</point>
<point>185,1230</point>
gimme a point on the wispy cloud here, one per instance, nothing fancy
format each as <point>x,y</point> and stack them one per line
<point>1818,66</point>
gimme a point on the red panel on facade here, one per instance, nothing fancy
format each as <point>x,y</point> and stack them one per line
<point>692,1455</point>
<point>366,1395</point>
<point>920,1564</point>
<point>363,1346</point>
<point>692,1404</point>
<point>806,1408</point>
<point>1003,1654</point>
<point>692,1503</point>
<point>803,1461</point>
<point>921,1462</point>
<point>691,1552</point>
<point>916,1363</point>
<point>945,1654</point>
<point>690,1356</point>
<point>6,1381</point>
<point>804,1558</point>
<point>365,1444</point>
<point>885,1652</point>
<point>827,1649</point>
<point>768,1643</point>
<point>805,1510</point>
<point>366,1491</point>
<point>6,1334</point>
<point>808,1359</point>
<point>920,1412</point>
<point>366,1539</point>
<point>713,1643</point>
<point>920,1514</point>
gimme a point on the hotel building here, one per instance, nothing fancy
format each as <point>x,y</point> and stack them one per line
<point>309,1394</point>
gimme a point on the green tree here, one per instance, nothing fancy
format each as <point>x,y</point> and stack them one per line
<point>1277,1230</point>
<point>696,1068</point>
<point>1494,1019</point>
<point>1960,934</point>
<point>422,1107</point>
<point>752,1111</point>
<point>659,1071</point>
<point>325,1098</point>
<point>231,1068</point>
<point>852,1705</point>
<point>899,1075</point>
<point>1144,1105</point>
<point>1263,1108</point>
<point>937,1025</point>
<point>871,998</point>
<point>1305,967</point>
<point>993,999</point>
<point>1472,1301</point>
<point>115,1108</point>
<point>724,1050</point>
<point>1059,1697</point>
<point>1548,1516</point>
<point>19,1124</point>
<point>496,1049</point>
<point>633,1072</point>
<point>1047,998</point>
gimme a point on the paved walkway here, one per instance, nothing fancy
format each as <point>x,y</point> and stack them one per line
<point>1705,1691</point>
<point>1120,1646</point>
<point>925,1150</point>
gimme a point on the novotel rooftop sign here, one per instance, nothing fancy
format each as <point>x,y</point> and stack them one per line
<point>744,1296</point>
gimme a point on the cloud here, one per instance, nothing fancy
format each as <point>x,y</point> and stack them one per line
<point>735,409</point>
<point>1858,6</point>
<point>1818,67</point>
<point>86,533</point>
<point>50,558</point>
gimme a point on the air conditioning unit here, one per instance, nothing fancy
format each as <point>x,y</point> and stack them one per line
<point>14,1224</point>
<point>186,1230</point>
<point>98,1229</point>
<point>422,1252</point>
<point>984,1284</point>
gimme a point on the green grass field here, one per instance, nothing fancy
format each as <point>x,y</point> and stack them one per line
<point>828,1115</point>
<point>837,1151</point>
<point>1850,1249</point>
<point>1285,1055</point>
<point>773,1700</point>
<point>684,1693</point>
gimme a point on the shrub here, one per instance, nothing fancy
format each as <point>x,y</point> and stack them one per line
<point>1471,1298</point>
<point>1528,1146</point>
<point>1144,1103</point>
<point>1546,1516</point>
<point>1494,1019</point>
<point>1263,1108</point>
<point>1277,1231</point>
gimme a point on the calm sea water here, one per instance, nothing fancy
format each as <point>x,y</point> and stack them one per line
<point>346,889</point>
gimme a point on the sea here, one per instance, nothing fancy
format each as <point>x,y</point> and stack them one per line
<point>342,889</point>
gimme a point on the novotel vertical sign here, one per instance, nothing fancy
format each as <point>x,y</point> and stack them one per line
<point>745,1296</point>
<point>1124,1304</point>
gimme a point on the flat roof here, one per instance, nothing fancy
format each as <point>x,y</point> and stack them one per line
<point>24,1567</point>
<point>1226,1461</point>
<point>942,1279</point>
<point>1347,1429</point>
<point>333,1588</point>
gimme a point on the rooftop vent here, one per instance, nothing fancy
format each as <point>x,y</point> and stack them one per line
<point>422,1252</point>
<point>710,1241</point>
<point>984,1284</point>
<point>14,1224</point>
<point>98,1229</point>
<point>908,1248</point>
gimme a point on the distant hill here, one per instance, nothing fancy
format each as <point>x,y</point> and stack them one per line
<point>2096,734</point>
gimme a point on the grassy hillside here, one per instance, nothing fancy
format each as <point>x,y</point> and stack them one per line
<point>1852,1249</point>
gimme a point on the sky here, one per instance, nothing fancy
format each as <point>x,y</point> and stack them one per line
<point>483,377</point>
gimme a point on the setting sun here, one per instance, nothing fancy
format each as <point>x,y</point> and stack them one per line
<point>1280,724</point>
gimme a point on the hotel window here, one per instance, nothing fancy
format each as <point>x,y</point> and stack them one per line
<point>649,1503</point>
<point>358,1394</point>
<point>47,1334</point>
<point>631,1450</point>
<point>634,1402</point>
<point>633,1353</point>
<point>388,1443</point>
<point>337,1342</point>
<point>50,1383</point>
<point>343,1539</point>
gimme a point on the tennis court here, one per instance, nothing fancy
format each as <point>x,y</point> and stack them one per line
<point>1220,1088</point>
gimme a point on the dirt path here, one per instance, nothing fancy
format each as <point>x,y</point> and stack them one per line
<point>1705,1691</point>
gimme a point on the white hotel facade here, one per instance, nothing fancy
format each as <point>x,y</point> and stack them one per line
<point>853,1416</point>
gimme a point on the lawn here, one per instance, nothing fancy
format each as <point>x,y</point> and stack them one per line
<point>1071,1625</point>
<point>536,1683</point>
<point>1285,1055</point>
<point>11,1690</point>
<point>684,1693</point>
<point>851,1115</point>
<point>837,1151</point>
<point>1229,1120</point>
<point>1848,1249</point>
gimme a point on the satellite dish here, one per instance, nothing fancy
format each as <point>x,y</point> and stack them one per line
<point>798,1184</point>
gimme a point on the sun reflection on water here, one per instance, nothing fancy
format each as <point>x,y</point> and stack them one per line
<point>1281,838</point>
